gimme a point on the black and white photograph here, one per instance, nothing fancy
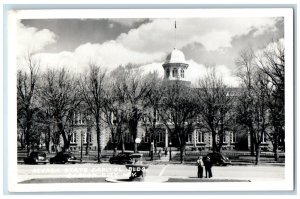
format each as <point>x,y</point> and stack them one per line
<point>189,99</point>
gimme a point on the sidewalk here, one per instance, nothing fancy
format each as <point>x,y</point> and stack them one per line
<point>121,179</point>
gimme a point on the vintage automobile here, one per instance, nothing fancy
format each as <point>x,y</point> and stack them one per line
<point>64,157</point>
<point>218,159</point>
<point>36,158</point>
<point>122,158</point>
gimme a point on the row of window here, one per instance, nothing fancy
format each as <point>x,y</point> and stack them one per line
<point>73,138</point>
<point>79,118</point>
<point>198,137</point>
<point>175,73</point>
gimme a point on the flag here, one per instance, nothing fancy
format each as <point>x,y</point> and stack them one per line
<point>175,24</point>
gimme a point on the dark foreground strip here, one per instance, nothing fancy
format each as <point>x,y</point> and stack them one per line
<point>204,180</point>
<point>63,180</point>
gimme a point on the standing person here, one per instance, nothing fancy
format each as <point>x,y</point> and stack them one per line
<point>208,165</point>
<point>200,167</point>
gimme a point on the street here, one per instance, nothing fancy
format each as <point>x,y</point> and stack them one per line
<point>88,170</point>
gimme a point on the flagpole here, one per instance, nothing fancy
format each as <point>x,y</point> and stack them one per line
<point>175,35</point>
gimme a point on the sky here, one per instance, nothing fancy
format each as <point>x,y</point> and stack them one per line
<point>73,43</point>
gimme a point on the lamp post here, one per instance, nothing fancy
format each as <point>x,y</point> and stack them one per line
<point>170,151</point>
<point>137,141</point>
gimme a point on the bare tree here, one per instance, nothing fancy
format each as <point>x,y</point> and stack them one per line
<point>114,113</point>
<point>60,93</point>
<point>272,62</point>
<point>178,110</point>
<point>92,87</point>
<point>252,106</point>
<point>151,108</point>
<point>215,102</point>
<point>133,88</point>
<point>260,112</point>
<point>246,72</point>
<point>26,96</point>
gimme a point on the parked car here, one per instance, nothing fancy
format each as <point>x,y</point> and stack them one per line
<point>218,159</point>
<point>36,158</point>
<point>64,157</point>
<point>122,158</point>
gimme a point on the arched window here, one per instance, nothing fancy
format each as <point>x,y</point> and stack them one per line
<point>73,138</point>
<point>199,136</point>
<point>182,73</point>
<point>85,137</point>
<point>168,73</point>
<point>175,72</point>
<point>233,137</point>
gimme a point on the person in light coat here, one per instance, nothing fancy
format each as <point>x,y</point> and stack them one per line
<point>200,167</point>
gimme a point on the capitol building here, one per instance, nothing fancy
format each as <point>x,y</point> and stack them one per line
<point>175,67</point>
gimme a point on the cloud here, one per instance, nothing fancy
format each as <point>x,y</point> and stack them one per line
<point>127,22</point>
<point>31,40</point>
<point>111,25</point>
<point>109,55</point>
<point>213,33</point>
<point>203,40</point>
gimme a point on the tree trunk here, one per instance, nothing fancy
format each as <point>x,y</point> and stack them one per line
<point>23,144</point>
<point>220,144</point>
<point>98,140</point>
<point>48,137</point>
<point>251,142</point>
<point>63,133</point>
<point>257,155</point>
<point>214,146</point>
<point>155,145</point>
<point>182,154</point>
<point>275,148</point>
<point>133,131</point>
<point>87,147</point>
<point>123,143</point>
<point>154,133</point>
<point>27,143</point>
<point>150,150</point>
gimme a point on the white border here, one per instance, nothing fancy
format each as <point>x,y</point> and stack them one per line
<point>284,185</point>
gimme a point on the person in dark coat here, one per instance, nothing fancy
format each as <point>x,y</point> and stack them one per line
<point>200,167</point>
<point>208,165</point>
